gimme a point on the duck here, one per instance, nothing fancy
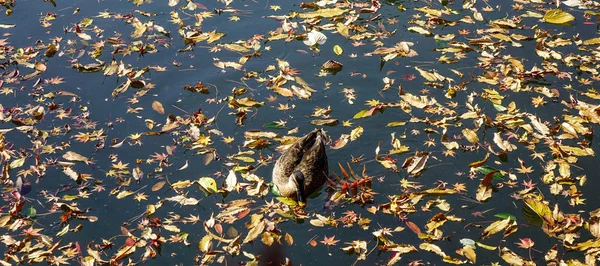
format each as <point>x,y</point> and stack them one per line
<point>302,169</point>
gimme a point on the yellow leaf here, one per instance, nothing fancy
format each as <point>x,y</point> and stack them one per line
<point>207,185</point>
<point>427,75</point>
<point>214,36</point>
<point>396,124</point>
<point>258,226</point>
<point>17,163</point>
<point>356,133</point>
<point>205,243</point>
<point>470,135</point>
<point>289,239</point>
<point>124,194</point>
<point>73,156</point>
<point>432,248</point>
<point>593,41</point>
<point>470,254</point>
<point>481,245</point>
<point>324,13</point>
<point>338,50</point>
<point>557,16</point>
<point>172,228</point>
<point>419,30</point>
<point>495,227</point>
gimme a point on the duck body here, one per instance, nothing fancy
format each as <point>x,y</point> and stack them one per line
<point>303,168</point>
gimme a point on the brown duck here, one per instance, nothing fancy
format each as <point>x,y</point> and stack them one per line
<point>302,169</point>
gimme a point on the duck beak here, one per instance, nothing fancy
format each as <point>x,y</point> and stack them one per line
<point>301,196</point>
<point>300,193</point>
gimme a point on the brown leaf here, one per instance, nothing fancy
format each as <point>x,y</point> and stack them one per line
<point>484,191</point>
<point>413,227</point>
<point>157,106</point>
<point>289,239</point>
<point>158,186</point>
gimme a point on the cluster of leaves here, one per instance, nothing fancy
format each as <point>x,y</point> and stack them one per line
<point>481,113</point>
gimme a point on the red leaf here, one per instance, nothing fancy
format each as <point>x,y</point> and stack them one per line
<point>130,242</point>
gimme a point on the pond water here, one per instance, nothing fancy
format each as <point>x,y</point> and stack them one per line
<point>147,131</point>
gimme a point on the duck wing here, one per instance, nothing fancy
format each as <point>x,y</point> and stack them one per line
<point>314,164</point>
<point>292,157</point>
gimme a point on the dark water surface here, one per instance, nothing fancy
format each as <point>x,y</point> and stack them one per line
<point>363,73</point>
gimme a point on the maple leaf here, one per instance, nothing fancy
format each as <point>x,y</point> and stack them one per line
<point>160,156</point>
<point>135,136</point>
<point>283,107</point>
<point>82,137</point>
<point>529,184</point>
<point>140,196</point>
<point>55,80</point>
<point>62,114</point>
<point>538,155</point>
<point>523,169</point>
<point>564,75</point>
<point>409,77</point>
<point>451,153</point>
<point>192,219</point>
<point>460,187</point>
<point>6,91</point>
<point>120,166</point>
<point>71,252</point>
<point>429,143</point>
<point>576,201</point>
<point>32,232</point>
<point>329,241</point>
<point>58,260</point>
<point>525,243</point>
<point>372,102</point>
<point>383,232</point>
<point>275,8</point>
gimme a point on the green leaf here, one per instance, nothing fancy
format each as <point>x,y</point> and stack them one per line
<point>486,170</point>
<point>500,108</point>
<point>503,216</point>
<point>275,191</point>
<point>338,50</point>
<point>70,197</point>
<point>30,212</point>
<point>557,16</point>
<point>274,125</point>
<point>287,201</point>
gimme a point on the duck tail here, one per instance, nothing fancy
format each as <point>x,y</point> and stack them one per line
<point>322,136</point>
